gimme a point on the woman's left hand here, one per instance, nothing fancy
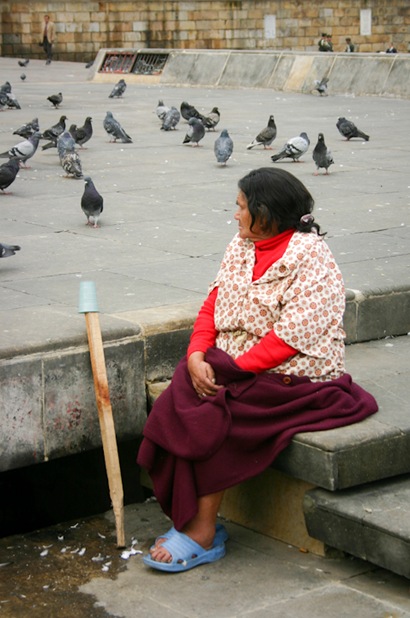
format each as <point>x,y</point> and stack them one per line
<point>202,375</point>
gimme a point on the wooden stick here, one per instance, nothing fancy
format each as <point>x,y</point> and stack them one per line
<point>105,416</point>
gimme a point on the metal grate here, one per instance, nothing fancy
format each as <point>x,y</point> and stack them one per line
<point>149,63</point>
<point>118,62</point>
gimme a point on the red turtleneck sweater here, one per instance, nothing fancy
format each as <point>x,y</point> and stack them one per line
<point>271,350</point>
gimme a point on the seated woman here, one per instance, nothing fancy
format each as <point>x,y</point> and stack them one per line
<point>265,361</point>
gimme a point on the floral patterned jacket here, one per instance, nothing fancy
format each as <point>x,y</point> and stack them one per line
<point>301,297</point>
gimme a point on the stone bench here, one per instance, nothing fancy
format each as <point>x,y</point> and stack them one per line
<point>288,501</point>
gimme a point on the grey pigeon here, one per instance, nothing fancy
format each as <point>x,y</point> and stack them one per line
<point>56,99</point>
<point>53,132</point>
<point>69,158</point>
<point>211,120</point>
<point>71,164</point>
<point>23,63</point>
<point>89,64</point>
<point>23,150</point>
<point>8,173</point>
<point>73,131</point>
<point>321,155</point>
<point>195,133</point>
<point>84,133</point>
<point>161,110</point>
<point>189,111</point>
<point>12,101</point>
<point>115,130</point>
<point>91,202</point>
<point>6,87</point>
<point>7,250</point>
<point>293,149</point>
<point>118,90</point>
<point>28,129</point>
<point>348,129</point>
<point>3,99</point>
<point>65,143</point>
<point>23,77</point>
<point>321,86</point>
<point>223,147</point>
<point>171,119</point>
<point>266,136</point>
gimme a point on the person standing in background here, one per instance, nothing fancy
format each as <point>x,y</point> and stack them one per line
<point>329,42</point>
<point>48,38</point>
<point>349,45</point>
<point>322,43</point>
<point>391,49</point>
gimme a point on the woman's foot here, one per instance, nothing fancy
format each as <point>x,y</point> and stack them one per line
<point>204,538</point>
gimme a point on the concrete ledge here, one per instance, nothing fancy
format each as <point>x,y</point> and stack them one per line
<point>350,74</point>
<point>372,522</point>
<point>48,409</point>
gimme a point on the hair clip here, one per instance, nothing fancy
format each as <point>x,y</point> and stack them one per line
<point>306,219</point>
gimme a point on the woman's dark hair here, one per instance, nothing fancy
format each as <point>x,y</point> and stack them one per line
<point>276,196</point>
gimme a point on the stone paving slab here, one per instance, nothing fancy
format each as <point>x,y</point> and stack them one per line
<point>169,208</point>
<point>258,577</point>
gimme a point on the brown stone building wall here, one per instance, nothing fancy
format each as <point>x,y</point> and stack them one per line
<point>85,27</point>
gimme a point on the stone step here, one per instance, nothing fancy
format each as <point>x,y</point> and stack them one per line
<point>370,522</point>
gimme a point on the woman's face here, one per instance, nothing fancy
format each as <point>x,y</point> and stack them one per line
<point>244,219</point>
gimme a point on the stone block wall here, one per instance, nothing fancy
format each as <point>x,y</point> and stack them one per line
<point>85,27</point>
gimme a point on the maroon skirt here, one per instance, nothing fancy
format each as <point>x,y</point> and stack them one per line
<point>198,446</point>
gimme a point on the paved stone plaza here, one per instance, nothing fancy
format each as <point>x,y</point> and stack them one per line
<point>168,214</point>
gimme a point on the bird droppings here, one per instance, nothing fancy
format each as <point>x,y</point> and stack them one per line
<point>39,573</point>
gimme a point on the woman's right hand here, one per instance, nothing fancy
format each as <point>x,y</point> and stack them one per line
<point>202,375</point>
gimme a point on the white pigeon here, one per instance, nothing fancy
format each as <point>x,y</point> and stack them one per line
<point>321,86</point>
<point>294,148</point>
<point>161,110</point>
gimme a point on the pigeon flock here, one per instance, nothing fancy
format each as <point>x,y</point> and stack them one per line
<point>69,141</point>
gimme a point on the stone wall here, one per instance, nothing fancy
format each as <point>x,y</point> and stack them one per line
<point>85,27</point>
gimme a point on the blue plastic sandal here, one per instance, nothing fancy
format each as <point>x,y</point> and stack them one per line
<point>221,535</point>
<point>186,554</point>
